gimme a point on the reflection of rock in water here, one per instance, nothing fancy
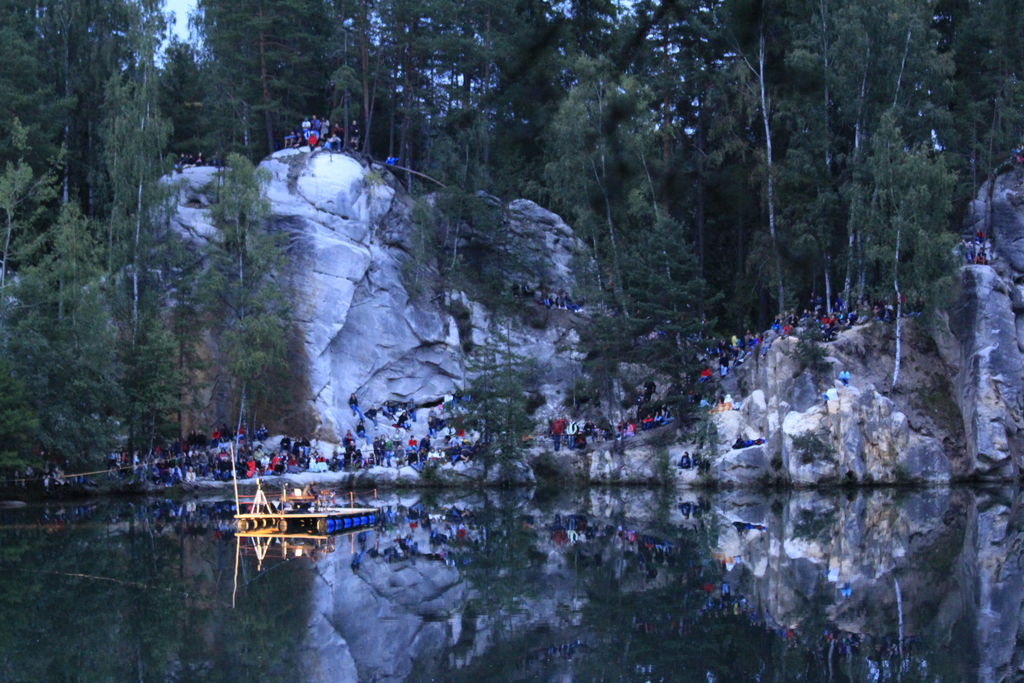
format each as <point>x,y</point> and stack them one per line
<point>834,561</point>
<point>993,584</point>
<point>374,623</point>
<point>817,567</point>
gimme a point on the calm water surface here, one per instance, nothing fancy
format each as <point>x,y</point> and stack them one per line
<point>634,585</point>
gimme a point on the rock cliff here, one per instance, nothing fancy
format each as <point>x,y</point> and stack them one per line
<point>986,332</point>
<point>958,413</point>
<point>350,231</point>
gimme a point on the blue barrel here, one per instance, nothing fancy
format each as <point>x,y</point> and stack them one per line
<point>348,522</point>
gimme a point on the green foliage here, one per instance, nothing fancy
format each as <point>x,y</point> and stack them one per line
<point>810,352</point>
<point>265,68</point>
<point>242,291</point>
<point>706,434</point>
<point>18,420</point>
<point>810,447</point>
<point>418,267</point>
<point>62,344</point>
<point>663,465</point>
<point>641,123</point>
<point>182,95</point>
<point>499,405</point>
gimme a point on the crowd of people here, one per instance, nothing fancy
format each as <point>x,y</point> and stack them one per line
<point>550,300</point>
<point>315,132</point>
<point>645,414</point>
<point>188,160</point>
<point>976,249</point>
<point>386,435</point>
<point>383,436</point>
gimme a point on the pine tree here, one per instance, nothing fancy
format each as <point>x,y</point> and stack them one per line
<point>182,95</point>
<point>62,344</point>
<point>18,420</point>
<point>498,403</point>
<point>21,192</point>
<point>135,136</point>
<point>244,295</point>
<point>264,69</point>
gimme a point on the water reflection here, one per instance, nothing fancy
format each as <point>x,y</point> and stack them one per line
<point>594,585</point>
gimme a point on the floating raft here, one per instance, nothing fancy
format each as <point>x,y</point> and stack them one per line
<point>321,521</point>
<point>301,512</point>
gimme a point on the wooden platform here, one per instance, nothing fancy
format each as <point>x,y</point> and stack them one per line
<point>322,521</point>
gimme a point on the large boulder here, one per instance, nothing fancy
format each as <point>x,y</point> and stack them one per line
<point>741,467</point>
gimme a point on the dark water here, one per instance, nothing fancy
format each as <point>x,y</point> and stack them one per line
<point>635,585</point>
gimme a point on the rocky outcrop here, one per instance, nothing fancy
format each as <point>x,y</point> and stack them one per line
<point>986,333</point>
<point>360,330</point>
<point>817,430</point>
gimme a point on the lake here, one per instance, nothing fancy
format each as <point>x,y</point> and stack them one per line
<point>598,584</point>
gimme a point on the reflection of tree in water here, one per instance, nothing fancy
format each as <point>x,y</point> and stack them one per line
<point>130,593</point>
<point>629,609</point>
<point>589,585</point>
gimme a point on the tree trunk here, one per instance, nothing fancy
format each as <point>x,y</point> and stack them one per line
<point>903,65</point>
<point>825,66</point>
<point>899,330</point>
<point>617,284</point>
<point>847,281</point>
<point>67,125</point>
<point>364,62</point>
<point>899,307</point>
<point>137,242</point>
<point>828,288</point>
<point>766,119</point>
<point>268,121</point>
<point>857,133</point>
<point>861,269</point>
<point>699,218</point>
<point>7,249</point>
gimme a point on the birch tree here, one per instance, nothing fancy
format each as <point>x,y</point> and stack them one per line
<point>909,243</point>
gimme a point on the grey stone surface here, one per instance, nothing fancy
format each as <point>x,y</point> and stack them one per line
<point>348,231</point>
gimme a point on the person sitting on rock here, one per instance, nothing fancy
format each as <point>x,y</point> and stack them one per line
<point>844,377</point>
<point>685,462</point>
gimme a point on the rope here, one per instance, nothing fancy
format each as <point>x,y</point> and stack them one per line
<point>94,577</point>
<point>108,470</point>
